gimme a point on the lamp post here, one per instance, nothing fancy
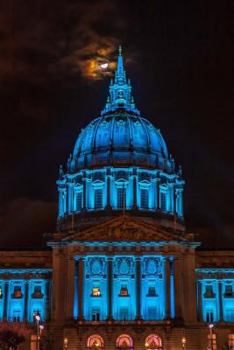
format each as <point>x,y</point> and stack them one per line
<point>39,327</point>
<point>183,342</point>
<point>210,343</point>
<point>65,343</point>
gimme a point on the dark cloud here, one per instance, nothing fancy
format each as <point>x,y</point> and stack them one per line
<point>22,223</point>
<point>44,40</point>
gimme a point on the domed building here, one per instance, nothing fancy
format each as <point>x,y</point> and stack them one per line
<point>121,271</point>
<point>120,163</point>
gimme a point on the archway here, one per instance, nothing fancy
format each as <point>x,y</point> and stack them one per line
<point>124,342</point>
<point>95,342</point>
<point>153,342</point>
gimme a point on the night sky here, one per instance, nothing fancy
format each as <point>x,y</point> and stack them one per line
<point>179,56</point>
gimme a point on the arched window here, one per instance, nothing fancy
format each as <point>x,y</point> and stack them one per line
<point>125,342</point>
<point>153,342</point>
<point>95,341</point>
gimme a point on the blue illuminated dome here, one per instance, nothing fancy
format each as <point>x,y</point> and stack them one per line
<point>120,162</point>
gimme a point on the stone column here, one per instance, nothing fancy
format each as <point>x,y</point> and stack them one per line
<point>75,313</point>
<point>110,289</point>
<point>178,288</point>
<point>199,300</point>
<point>220,301</point>
<point>80,288</point>
<point>157,193</point>
<point>48,299</point>
<point>6,296</point>
<point>138,287</point>
<point>167,288</point>
<point>59,280</point>
<point>134,189</point>
<point>172,288</point>
<point>84,191</point>
<point>70,287</point>
<point>108,189</point>
<point>26,300</point>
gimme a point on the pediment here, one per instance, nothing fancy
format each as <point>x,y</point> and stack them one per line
<point>125,228</point>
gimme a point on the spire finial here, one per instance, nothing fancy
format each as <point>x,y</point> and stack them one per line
<point>120,89</point>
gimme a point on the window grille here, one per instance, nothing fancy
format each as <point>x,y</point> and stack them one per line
<point>144,199</point>
<point>163,201</point>
<point>98,198</point>
<point>121,198</point>
<point>79,201</point>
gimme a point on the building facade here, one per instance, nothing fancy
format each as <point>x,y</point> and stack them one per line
<point>122,272</point>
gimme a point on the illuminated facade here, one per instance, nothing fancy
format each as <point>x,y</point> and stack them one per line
<point>122,272</point>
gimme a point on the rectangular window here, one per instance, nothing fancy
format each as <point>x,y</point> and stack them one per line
<point>123,291</point>
<point>163,201</point>
<point>209,292</point>
<point>98,204</point>
<point>152,292</point>
<point>79,201</point>
<point>228,291</point>
<point>231,341</point>
<point>37,293</point>
<point>212,341</point>
<point>144,199</point>
<point>209,317</point>
<point>95,315</point>
<point>121,198</point>
<point>17,292</point>
<point>96,292</point>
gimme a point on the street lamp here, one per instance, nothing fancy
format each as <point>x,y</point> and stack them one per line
<point>65,343</point>
<point>210,343</point>
<point>183,342</point>
<point>37,318</point>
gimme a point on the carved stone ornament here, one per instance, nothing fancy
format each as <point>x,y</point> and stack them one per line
<point>124,266</point>
<point>96,266</point>
<point>152,266</point>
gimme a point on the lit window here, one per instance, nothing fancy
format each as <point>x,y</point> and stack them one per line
<point>144,199</point>
<point>153,342</point>
<point>121,198</point>
<point>231,341</point>
<point>163,201</point>
<point>96,292</point>
<point>124,291</point>
<point>79,201</point>
<point>1,294</point>
<point>17,292</point>
<point>98,198</point>
<point>37,292</point>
